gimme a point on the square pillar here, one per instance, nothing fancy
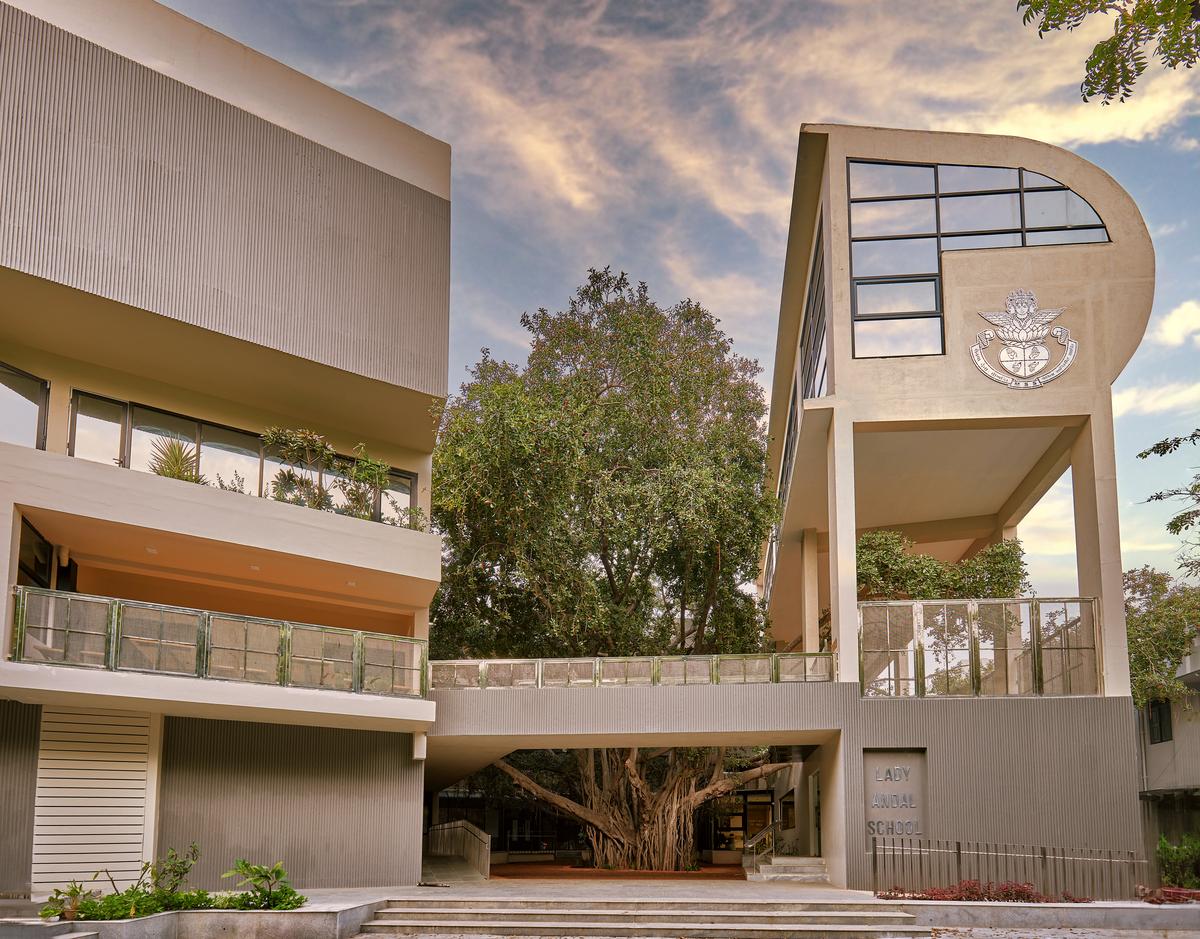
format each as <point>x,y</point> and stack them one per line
<point>1098,544</point>
<point>810,591</point>
<point>843,562</point>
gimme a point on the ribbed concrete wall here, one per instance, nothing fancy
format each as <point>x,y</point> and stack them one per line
<point>1045,771</point>
<point>337,807</point>
<point>128,184</point>
<point>18,784</point>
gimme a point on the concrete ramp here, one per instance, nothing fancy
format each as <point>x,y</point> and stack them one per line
<point>445,869</point>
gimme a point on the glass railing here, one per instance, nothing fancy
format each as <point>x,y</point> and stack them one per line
<point>767,668</point>
<point>58,628</point>
<point>978,648</point>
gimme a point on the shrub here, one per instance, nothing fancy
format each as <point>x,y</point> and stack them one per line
<point>1180,863</point>
<point>158,889</point>
<point>973,891</point>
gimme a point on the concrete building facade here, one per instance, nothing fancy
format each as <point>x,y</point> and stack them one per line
<point>241,248</point>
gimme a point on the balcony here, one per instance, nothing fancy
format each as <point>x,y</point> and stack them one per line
<point>671,670</point>
<point>979,648</point>
<point>100,633</point>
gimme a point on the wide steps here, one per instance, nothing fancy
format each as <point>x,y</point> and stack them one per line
<point>628,919</point>
<point>545,914</point>
<point>571,927</point>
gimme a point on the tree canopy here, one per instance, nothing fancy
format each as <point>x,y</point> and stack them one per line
<point>1188,518</point>
<point>1172,27</point>
<point>1162,616</point>
<point>605,498</point>
<point>889,568</point>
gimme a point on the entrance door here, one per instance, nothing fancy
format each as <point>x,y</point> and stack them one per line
<point>814,813</point>
<point>758,811</point>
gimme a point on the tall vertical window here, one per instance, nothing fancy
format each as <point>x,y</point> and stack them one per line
<point>904,215</point>
<point>1158,721</point>
<point>22,407</point>
<point>98,429</point>
<point>813,358</point>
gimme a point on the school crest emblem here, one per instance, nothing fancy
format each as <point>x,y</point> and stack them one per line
<point>1023,329</point>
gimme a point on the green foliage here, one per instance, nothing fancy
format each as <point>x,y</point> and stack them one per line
<point>1180,863</point>
<point>1189,494</point>
<point>158,889</point>
<point>1116,63</point>
<point>269,887</point>
<point>605,497</point>
<point>312,474</point>
<point>1162,616</point>
<point>176,459</point>
<point>888,570</point>
<point>307,457</point>
<point>65,902</point>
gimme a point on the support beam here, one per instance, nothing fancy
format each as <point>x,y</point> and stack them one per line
<point>810,584</point>
<point>843,570</point>
<point>1037,482</point>
<point>1098,543</point>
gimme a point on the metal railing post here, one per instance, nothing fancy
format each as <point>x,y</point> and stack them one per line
<point>357,657</point>
<point>284,668</point>
<point>112,634</point>
<point>483,676</point>
<point>974,664</point>
<point>874,865</point>
<point>918,618</point>
<point>20,599</point>
<point>1035,639</point>
<point>203,630</point>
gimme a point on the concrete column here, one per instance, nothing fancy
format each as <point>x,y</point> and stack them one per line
<point>843,569</point>
<point>58,417</point>
<point>810,587</point>
<point>1098,542</point>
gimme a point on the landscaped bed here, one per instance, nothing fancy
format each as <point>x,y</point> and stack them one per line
<point>160,889</point>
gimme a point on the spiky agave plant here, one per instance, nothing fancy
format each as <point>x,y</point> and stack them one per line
<point>176,459</point>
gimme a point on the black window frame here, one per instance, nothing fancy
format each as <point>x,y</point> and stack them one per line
<point>126,445</point>
<point>938,196</point>
<point>43,404</point>
<point>814,355</point>
<point>1158,722</point>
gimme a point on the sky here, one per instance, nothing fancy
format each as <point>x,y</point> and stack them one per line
<point>660,138</point>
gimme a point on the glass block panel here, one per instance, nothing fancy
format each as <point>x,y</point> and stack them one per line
<point>1010,239</point>
<point>1057,209</point>
<point>981,213</point>
<point>731,670</point>
<point>306,643</point>
<point>874,628</point>
<point>338,675</point>
<point>263,637</point>
<point>902,256</point>
<point>581,672</point>
<point>499,674</point>
<point>1067,236</point>
<point>262,667</point>
<point>902,217</point>
<point>672,671</point>
<point>901,634</point>
<point>975,178</point>
<point>889,179</point>
<point>83,648</point>
<point>758,669</point>
<point>1054,678</point>
<point>793,667</point>
<point>1082,673</point>
<point>306,673</point>
<point>904,297</point>
<point>883,338</point>
<point>555,674</point>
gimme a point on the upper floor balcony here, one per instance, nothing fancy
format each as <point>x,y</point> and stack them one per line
<point>108,652</point>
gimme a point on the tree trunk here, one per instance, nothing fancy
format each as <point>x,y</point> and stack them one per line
<point>631,824</point>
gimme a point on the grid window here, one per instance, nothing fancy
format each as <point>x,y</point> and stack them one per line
<point>902,216</point>
<point>98,429</point>
<point>22,408</point>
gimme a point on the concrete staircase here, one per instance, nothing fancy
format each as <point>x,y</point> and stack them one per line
<point>800,870</point>
<point>682,919</point>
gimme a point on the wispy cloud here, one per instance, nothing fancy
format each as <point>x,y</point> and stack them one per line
<point>1179,325</point>
<point>1173,397</point>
